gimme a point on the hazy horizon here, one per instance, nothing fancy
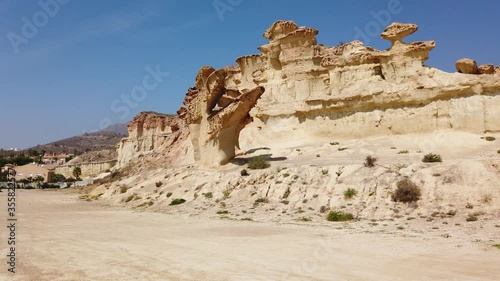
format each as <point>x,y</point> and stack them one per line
<point>74,66</point>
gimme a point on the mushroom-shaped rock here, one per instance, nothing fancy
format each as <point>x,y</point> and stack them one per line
<point>486,69</point>
<point>216,116</point>
<point>280,29</point>
<point>467,66</point>
<point>397,31</point>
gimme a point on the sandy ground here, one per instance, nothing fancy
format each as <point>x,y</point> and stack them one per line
<point>62,238</point>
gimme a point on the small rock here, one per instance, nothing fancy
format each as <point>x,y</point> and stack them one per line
<point>467,66</point>
<point>486,69</point>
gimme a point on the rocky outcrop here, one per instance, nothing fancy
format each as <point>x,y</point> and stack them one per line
<point>352,90</point>
<point>297,91</point>
<point>88,168</point>
<point>151,132</point>
<point>216,115</point>
<point>467,66</point>
<point>486,69</point>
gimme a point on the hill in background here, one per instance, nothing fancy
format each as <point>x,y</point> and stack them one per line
<point>106,139</point>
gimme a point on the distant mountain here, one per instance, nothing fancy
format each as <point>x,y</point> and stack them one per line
<point>106,139</point>
<point>119,128</point>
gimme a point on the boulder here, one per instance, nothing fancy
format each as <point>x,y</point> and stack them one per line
<point>467,66</point>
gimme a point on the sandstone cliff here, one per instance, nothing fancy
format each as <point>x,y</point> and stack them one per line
<point>154,134</point>
<point>297,91</point>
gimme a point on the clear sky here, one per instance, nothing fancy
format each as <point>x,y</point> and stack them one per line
<point>69,67</point>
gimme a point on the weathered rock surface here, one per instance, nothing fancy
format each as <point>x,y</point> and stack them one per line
<point>486,69</point>
<point>151,132</point>
<point>297,91</point>
<point>216,115</point>
<point>467,66</point>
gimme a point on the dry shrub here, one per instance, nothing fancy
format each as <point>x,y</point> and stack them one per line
<point>406,191</point>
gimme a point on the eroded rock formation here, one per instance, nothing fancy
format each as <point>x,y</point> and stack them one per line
<point>297,91</point>
<point>151,132</point>
<point>216,115</point>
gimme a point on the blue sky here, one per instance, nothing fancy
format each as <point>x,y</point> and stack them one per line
<point>66,77</point>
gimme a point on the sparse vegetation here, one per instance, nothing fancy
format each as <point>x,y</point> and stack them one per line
<point>432,158</point>
<point>496,246</point>
<point>285,202</point>
<point>350,193</point>
<point>158,184</point>
<point>208,195</point>
<point>342,148</point>
<point>400,227</point>
<point>471,217</point>
<point>222,212</point>
<point>133,197</point>
<point>339,216</point>
<point>304,219</point>
<point>324,171</point>
<point>370,161</point>
<point>304,201</point>
<point>226,193</point>
<point>406,191</point>
<point>244,173</point>
<point>169,194</point>
<point>286,175</point>
<point>262,200</point>
<point>287,193</point>
<point>498,151</point>
<point>258,162</point>
<point>146,204</point>
<point>436,175</point>
<point>177,201</point>
<point>323,209</point>
<point>123,189</point>
<point>334,143</point>
<point>489,138</point>
<point>403,152</point>
<point>486,199</point>
<point>247,219</point>
<point>451,213</point>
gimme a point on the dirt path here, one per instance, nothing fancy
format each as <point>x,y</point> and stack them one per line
<point>60,238</point>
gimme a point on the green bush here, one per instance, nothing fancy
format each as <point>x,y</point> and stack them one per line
<point>431,158</point>
<point>339,216</point>
<point>244,172</point>
<point>258,162</point>
<point>177,201</point>
<point>406,191</point>
<point>208,195</point>
<point>350,193</point>
<point>222,212</point>
<point>123,189</point>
